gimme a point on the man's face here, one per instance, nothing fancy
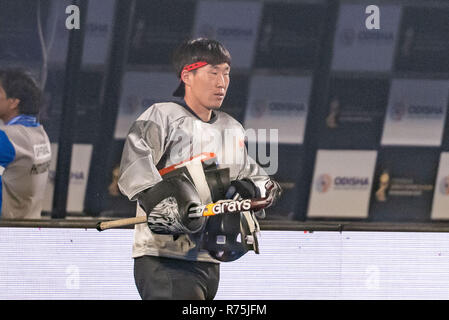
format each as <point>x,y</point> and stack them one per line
<point>208,85</point>
<point>3,102</point>
<point>8,106</point>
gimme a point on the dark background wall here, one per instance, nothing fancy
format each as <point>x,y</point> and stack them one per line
<point>310,69</point>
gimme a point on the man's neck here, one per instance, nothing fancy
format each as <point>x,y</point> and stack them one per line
<point>202,112</point>
<point>9,117</point>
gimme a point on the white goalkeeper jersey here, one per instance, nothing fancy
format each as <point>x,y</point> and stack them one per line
<point>166,134</point>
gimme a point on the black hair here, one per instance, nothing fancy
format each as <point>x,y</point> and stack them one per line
<point>201,49</point>
<point>18,84</point>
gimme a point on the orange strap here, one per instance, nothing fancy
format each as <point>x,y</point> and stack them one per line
<point>202,156</point>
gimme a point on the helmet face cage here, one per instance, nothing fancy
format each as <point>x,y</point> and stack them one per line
<point>227,237</point>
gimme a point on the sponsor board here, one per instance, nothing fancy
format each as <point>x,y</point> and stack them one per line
<point>416,112</point>
<point>354,114</point>
<point>140,90</point>
<point>79,172</point>
<point>341,184</point>
<point>235,24</point>
<point>424,40</point>
<point>289,35</point>
<point>98,32</point>
<point>281,103</point>
<point>440,205</point>
<point>358,49</point>
<point>404,184</point>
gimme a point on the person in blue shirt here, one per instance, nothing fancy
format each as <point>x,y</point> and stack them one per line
<point>25,152</point>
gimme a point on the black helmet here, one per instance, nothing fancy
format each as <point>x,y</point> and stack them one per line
<point>227,237</point>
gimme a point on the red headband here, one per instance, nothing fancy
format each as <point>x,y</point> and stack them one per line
<point>180,91</point>
<point>194,66</point>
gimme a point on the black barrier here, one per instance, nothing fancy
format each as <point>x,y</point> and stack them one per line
<point>97,183</point>
<point>69,103</point>
<point>335,226</point>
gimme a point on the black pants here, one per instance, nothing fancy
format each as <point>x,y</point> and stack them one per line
<point>160,278</point>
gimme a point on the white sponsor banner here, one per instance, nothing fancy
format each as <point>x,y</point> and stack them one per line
<point>140,90</point>
<point>100,16</point>
<point>416,112</point>
<point>98,31</point>
<point>56,34</point>
<point>342,183</point>
<point>357,48</point>
<point>279,102</point>
<point>79,172</point>
<point>234,24</point>
<point>440,206</point>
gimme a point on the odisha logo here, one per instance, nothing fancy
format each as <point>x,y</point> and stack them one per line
<point>421,110</point>
<point>276,107</point>
<point>323,182</point>
<point>375,35</point>
<point>398,110</point>
<point>259,107</point>
<point>96,29</point>
<point>351,182</point>
<point>444,185</point>
<point>348,36</point>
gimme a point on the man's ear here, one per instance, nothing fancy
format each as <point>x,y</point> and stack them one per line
<point>13,103</point>
<point>186,77</point>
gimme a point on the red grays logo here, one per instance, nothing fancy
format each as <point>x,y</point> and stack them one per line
<point>227,207</point>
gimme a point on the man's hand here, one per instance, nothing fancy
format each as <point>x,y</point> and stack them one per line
<point>246,189</point>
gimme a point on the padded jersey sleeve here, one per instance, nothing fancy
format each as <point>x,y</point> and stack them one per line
<point>144,146</point>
